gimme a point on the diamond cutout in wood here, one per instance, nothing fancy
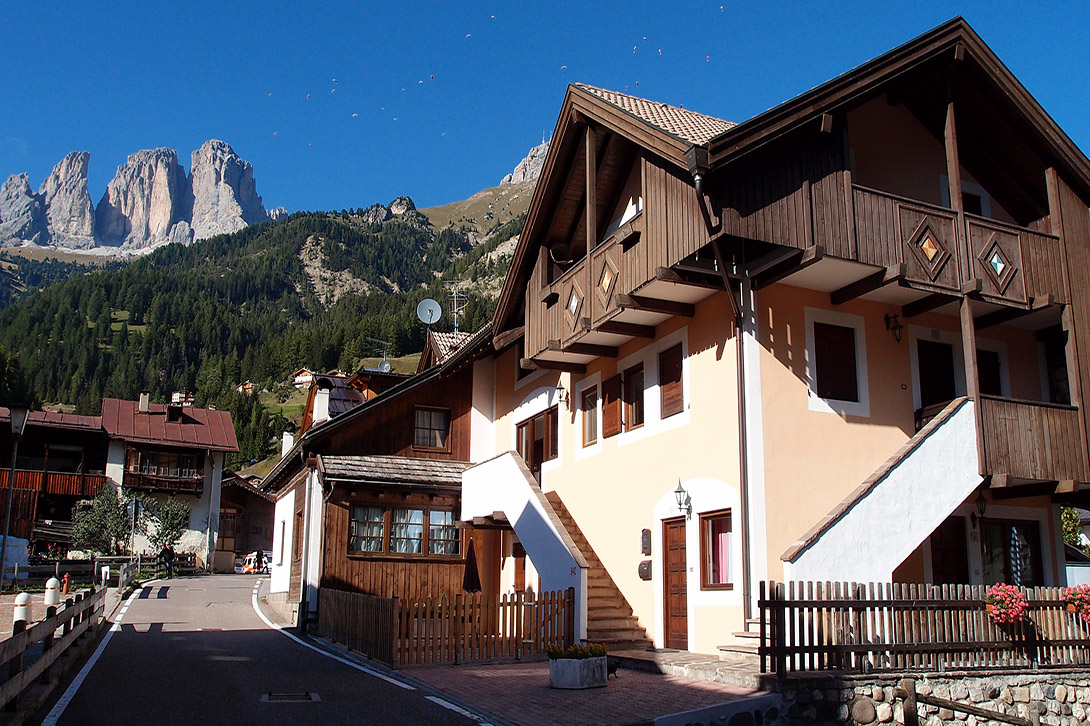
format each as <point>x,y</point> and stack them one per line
<point>605,280</point>
<point>997,264</point>
<point>573,303</point>
<point>929,249</point>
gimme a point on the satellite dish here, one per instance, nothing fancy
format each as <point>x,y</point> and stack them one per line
<point>428,311</point>
<point>385,366</point>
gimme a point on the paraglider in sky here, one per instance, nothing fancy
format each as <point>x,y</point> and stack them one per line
<point>334,80</point>
<point>355,115</point>
<point>276,133</point>
<point>469,35</point>
<point>308,96</point>
<point>563,68</point>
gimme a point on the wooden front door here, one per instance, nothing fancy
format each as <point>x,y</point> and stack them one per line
<point>675,598</point>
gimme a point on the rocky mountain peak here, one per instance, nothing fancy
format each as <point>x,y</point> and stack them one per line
<point>143,200</point>
<point>376,214</point>
<point>223,192</point>
<point>22,216</point>
<point>530,167</point>
<point>70,215</point>
<point>399,206</point>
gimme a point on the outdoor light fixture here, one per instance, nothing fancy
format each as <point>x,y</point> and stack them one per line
<point>682,497</point>
<point>18,414</point>
<point>562,395</point>
<point>894,326</point>
<point>981,505</point>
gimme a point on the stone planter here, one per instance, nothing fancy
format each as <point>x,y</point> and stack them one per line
<point>573,673</point>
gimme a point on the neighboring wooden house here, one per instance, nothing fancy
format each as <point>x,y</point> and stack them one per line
<point>439,346</point>
<point>368,500</point>
<point>246,387</point>
<point>245,521</point>
<point>302,378</point>
<point>838,341</point>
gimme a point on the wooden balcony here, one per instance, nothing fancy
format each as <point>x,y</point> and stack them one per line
<point>167,484</point>
<point>79,485</point>
<point>1028,441</point>
<point>1015,265</point>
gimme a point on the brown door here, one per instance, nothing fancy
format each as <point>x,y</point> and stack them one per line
<point>936,368</point>
<point>949,558</point>
<point>674,576</point>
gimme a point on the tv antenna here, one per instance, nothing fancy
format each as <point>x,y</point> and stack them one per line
<point>429,311</point>
<point>458,300</point>
<point>382,345</point>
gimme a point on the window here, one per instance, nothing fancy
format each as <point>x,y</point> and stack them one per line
<point>611,407</point>
<point>365,530</point>
<point>432,428</point>
<point>834,350</point>
<point>670,386</point>
<point>1011,552</point>
<point>633,397</point>
<point>715,532</point>
<point>163,463</point>
<point>380,530</point>
<point>537,440</point>
<point>442,534</point>
<point>283,526</point>
<point>589,406</point>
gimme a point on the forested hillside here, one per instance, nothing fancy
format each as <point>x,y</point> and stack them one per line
<point>203,318</point>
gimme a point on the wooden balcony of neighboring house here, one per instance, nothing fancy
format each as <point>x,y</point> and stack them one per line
<point>165,483</point>
<point>81,484</point>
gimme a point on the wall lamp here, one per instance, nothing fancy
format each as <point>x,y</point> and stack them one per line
<point>894,326</point>
<point>561,394</point>
<point>981,505</point>
<point>684,504</point>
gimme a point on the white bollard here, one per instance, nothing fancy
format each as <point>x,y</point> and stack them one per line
<point>22,608</point>
<point>52,592</point>
<point>105,575</point>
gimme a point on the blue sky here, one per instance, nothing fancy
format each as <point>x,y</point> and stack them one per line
<point>438,100</point>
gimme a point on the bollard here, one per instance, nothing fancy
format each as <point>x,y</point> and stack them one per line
<point>66,582</point>
<point>22,608</point>
<point>52,591</point>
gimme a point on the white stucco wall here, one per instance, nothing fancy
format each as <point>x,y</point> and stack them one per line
<point>283,524</point>
<point>873,537</point>
<point>501,485</point>
<point>315,534</point>
<point>482,438</point>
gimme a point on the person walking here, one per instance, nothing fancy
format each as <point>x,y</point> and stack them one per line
<point>167,555</point>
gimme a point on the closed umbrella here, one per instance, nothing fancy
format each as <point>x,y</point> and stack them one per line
<point>471,580</point>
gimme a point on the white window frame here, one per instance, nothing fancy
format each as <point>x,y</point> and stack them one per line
<point>653,423</point>
<point>860,408</point>
<point>966,186</point>
<point>591,381</point>
<point>537,402</point>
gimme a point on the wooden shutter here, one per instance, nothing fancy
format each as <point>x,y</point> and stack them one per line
<point>834,348</point>
<point>611,407</point>
<point>670,387</point>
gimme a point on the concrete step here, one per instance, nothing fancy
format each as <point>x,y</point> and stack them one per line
<point>747,635</point>
<point>603,611</point>
<point>628,623</point>
<point>740,654</point>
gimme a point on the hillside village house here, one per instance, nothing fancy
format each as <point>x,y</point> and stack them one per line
<point>158,449</point>
<point>842,340</point>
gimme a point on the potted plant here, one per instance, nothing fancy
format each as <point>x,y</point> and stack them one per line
<point>1005,603</point>
<point>1078,601</point>
<point>577,666</point>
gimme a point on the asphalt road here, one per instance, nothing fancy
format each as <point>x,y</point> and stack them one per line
<point>194,651</point>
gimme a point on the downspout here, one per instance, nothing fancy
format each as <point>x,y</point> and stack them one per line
<point>304,607</point>
<point>697,157</point>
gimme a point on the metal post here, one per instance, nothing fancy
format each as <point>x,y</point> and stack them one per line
<point>7,511</point>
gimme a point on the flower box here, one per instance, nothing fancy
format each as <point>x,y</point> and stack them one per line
<point>576,673</point>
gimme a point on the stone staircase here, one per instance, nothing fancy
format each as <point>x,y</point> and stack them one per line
<point>609,616</point>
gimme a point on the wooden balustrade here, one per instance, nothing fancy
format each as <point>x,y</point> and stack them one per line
<point>52,482</point>
<point>1032,440</point>
<point>169,484</point>
<point>852,627</point>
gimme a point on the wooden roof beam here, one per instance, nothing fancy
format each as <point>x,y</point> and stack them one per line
<point>711,281</point>
<point>1008,314</point>
<point>926,304</point>
<point>654,305</point>
<point>602,351</point>
<point>870,283</point>
<point>507,337</point>
<point>530,364</point>
<point>616,327</point>
<point>797,261</point>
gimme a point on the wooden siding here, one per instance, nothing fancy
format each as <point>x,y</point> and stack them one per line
<point>405,577</point>
<point>1030,440</point>
<point>390,429</point>
<point>1076,244</point>
<point>295,575</point>
<point>673,227</point>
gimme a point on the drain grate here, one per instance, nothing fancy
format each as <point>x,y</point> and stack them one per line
<point>274,697</point>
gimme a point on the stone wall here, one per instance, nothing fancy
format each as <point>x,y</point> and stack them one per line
<point>1055,698</point>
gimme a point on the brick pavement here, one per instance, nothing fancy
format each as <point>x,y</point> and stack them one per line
<point>519,693</point>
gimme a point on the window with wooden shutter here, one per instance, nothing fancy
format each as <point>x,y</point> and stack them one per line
<point>611,407</point>
<point>632,394</point>
<point>670,386</point>
<point>834,349</point>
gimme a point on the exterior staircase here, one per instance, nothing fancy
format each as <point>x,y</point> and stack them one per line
<point>609,616</point>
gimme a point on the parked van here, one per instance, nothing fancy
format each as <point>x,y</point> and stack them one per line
<point>249,565</point>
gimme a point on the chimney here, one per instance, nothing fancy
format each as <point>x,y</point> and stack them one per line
<point>145,399</point>
<point>286,442</point>
<point>321,401</point>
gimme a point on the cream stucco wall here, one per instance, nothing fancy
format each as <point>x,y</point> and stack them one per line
<point>624,484</point>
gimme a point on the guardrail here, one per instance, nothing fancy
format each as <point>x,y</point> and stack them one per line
<point>78,615</point>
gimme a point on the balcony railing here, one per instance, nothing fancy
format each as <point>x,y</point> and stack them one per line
<point>1033,441</point>
<point>169,484</point>
<point>50,482</point>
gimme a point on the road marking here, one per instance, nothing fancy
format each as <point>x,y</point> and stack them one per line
<point>58,709</point>
<point>305,644</point>
<point>457,709</point>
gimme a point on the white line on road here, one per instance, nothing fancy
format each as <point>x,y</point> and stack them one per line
<point>58,709</point>
<point>457,709</point>
<point>305,644</point>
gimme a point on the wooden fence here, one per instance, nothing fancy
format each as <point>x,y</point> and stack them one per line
<point>448,630</point>
<point>27,655</point>
<point>851,627</point>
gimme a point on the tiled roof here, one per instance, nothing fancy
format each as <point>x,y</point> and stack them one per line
<point>198,427</point>
<point>696,128</point>
<point>57,420</point>
<point>342,397</point>
<point>394,469</point>
<point>447,343</point>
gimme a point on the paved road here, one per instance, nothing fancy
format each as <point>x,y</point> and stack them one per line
<point>193,650</point>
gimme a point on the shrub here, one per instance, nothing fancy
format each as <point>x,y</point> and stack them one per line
<point>576,651</point>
